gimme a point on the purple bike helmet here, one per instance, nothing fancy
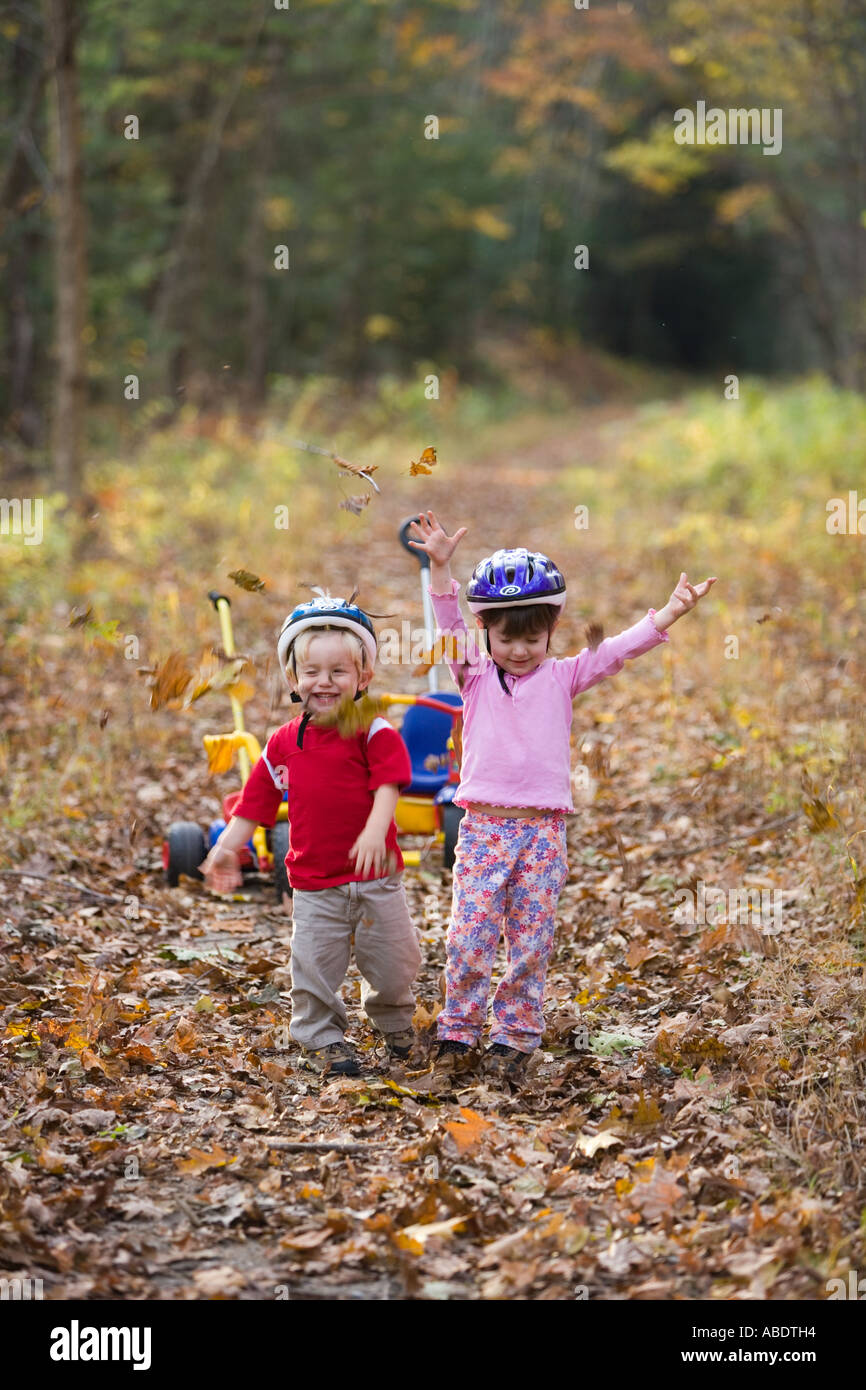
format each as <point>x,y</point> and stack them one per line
<point>510,577</point>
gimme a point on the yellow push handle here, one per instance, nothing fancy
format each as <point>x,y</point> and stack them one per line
<point>223,606</point>
<point>221,749</point>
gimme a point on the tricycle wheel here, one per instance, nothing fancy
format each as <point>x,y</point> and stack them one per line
<point>279,849</point>
<point>451,817</point>
<point>187,848</point>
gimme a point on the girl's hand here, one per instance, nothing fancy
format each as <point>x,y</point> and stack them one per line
<point>682,600</point>
<point>222,870</point>
<point>439,546</point>
<point>370,852</point>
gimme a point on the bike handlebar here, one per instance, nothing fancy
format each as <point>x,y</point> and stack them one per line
<point>420,555</point>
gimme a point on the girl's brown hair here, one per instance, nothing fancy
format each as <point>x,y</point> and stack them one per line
<point>521,620</point>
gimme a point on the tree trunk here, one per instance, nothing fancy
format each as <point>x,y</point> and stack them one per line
<point>63,25</point>
<point>167,313</point>
<point>21,198</point>
<point>257,256</point>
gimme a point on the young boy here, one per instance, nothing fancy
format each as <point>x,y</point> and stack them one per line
<point>343,862</point>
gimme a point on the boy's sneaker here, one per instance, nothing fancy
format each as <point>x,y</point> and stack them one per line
<point>400,1044</point>
<point>450,1053</point>
<point>336,1059</point>
<point>509,1062</point>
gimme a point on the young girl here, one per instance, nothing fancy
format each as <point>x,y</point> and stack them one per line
<point>515,782</point>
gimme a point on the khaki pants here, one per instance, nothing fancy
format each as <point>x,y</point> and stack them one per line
<point>386,951</point>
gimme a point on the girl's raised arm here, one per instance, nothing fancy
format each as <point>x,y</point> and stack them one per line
<point>682,600</point>
<point>440,547</point>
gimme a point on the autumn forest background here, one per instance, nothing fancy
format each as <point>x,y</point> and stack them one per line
<point>231,236</point>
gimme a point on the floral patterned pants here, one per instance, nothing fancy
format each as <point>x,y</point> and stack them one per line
<point>507,871</point>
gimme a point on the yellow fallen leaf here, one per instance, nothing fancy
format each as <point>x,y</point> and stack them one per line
<point>413,1238</point>
<point>467,1134</point>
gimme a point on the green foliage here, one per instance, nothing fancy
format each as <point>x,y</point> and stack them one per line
<point>723,478</point>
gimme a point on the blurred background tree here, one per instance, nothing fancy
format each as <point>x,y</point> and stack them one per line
<point>308,128</point>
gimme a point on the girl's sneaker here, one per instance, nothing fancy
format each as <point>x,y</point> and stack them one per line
<point>509,1062</point>
<point>450,1053</point>
<point>336,1059</point>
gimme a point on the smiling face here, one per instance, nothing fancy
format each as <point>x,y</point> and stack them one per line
<point>516,655</point>
<point>327,671</point>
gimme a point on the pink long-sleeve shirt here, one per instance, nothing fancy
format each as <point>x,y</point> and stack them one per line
<point>516,749</point>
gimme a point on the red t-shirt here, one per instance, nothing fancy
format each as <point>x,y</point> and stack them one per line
<point>331,781</point>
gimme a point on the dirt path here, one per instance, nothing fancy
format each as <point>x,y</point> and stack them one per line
<point>675,1138</point>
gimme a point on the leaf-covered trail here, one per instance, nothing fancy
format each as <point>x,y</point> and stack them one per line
<point>691,1123</point>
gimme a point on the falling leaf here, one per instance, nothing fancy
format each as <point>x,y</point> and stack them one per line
<point>589,1144</point>
<point>355,469</point>
<point>470,1132</point>
<point>79,616</point>
<point>216,672</point>
<point>355,504</point>
<point>445,646</point>
<point>425,464</point>
<point>594,633</point>
<point>245,580</point>
<point>821,815</point>
<point>168,681</point>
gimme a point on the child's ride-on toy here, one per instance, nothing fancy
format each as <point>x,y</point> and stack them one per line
<point>431,731</point>
<point>266,850</point>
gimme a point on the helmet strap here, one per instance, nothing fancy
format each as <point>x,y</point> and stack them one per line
<point>501,674</point>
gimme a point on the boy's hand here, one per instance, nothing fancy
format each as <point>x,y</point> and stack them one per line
<point>370,852</point>
<point>222,870</point>
<point>682,600</point>
<point>439,546</point>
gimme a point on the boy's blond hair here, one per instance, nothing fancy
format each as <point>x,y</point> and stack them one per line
<point>353,646</point>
